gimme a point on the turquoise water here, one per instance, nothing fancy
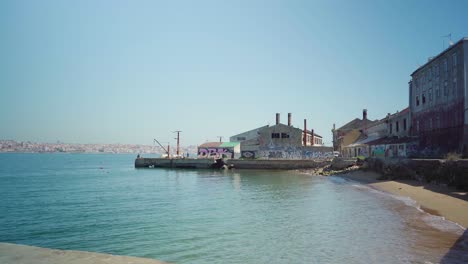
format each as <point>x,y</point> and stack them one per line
<point>101,203</point>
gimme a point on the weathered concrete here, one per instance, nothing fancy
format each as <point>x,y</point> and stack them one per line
<point>174,163</point>
<point>20,254</point>
<point>280,164</point>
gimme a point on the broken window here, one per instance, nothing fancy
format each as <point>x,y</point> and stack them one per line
<point>275,135</point>
<point>284,135</point>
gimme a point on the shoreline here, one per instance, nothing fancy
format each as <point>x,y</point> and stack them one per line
<point>433,199</point>
<point>17,253</point>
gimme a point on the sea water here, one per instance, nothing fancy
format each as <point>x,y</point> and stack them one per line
<point>101,203</point>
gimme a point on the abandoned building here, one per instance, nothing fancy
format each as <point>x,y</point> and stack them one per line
<point>438,101</point>
<point>433,125</point>
<point>282,141</point>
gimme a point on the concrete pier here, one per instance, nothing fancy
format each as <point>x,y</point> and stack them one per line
<point>279,164</point>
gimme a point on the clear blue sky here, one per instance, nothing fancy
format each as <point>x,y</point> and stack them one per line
<point>131,71</point>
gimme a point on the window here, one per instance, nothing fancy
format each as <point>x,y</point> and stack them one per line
<point>417,100</point>
<point>391,128</point>
<point>275,135</point>
<point>430,95</point>
<point>240,138</point>
<point>423,98</point>
<point>397,126</point>
<point>454,87</point>
<point>445,88</point>
<point>454,60</point>
<point>284,135</point>
<point>404,124</point>
<point>429,74</point>
<point>445,66</point>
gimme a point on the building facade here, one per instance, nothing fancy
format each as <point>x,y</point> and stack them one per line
<point>438,100</point>
<point>282,141</point>
<point>385,138</point>
<point>351,132</point>
<point>399,123</point>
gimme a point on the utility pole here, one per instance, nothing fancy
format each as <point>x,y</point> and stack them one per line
<point>178,140</point>
<point>220,139</point>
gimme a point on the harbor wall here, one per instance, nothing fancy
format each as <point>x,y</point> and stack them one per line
<point>279,164</point>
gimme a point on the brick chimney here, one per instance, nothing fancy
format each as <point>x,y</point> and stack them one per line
<point>313,137</point>
<point>277,118</point>
<point>289,119</point>
<point>305,133</point>
<point>364,114</point>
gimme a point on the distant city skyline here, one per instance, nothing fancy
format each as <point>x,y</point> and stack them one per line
<point>129,72</point>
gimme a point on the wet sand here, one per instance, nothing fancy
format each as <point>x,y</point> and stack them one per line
<point>20,254</point>
<point>434,199</point>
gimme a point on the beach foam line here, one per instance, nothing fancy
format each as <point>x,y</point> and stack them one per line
<point>14,253</point>
<point>437,221</point>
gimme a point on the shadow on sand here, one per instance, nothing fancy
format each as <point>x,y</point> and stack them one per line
<point>458,253</point>
<point>443,189</point>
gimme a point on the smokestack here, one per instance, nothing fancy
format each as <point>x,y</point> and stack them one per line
<point>305,133</point>
<point>364,114</point>
<point>277,118</point>
<point>289,119</point>
<point>313,135</point>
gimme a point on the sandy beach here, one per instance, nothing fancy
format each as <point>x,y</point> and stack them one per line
<point>434,199</point>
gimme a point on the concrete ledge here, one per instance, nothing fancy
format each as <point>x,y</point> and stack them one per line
<point>20,254</point>
<point>279,164</point>
<point>173,163</point>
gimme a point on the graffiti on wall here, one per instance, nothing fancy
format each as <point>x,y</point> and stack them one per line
<point>216,153</point>
<point>378,151</point>
<point>248,154</point>
<point>294,153</point>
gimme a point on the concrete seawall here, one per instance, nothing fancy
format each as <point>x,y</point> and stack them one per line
<point>14,254</point>
<point>451,172</point>
<point>280,164</point>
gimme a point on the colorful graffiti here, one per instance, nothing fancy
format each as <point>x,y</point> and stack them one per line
<point>217,153</point>
<point>378,151</point>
